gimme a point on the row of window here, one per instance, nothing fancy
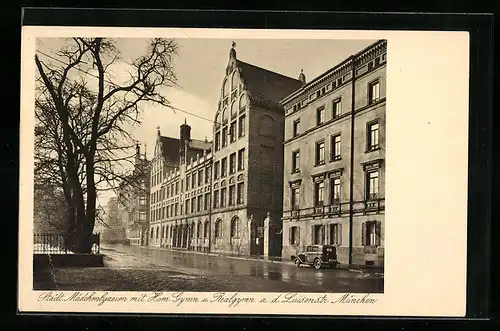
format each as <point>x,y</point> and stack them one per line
<point>235,197</point>
<point>221,137</point>
<point>371,191</point>
<point>202,230</point>
<point>370,234</point>
<point>221,167</point>
<point>372,143</point>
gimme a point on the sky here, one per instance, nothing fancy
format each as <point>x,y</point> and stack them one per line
<point>200,68</point>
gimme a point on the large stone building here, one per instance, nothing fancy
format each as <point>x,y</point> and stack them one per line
<point>334,170</point>
<point>218,196</point>
<point>133,201</point>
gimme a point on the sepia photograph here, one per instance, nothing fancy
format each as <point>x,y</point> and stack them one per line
<point>233,171</point>
<point>166,165</point>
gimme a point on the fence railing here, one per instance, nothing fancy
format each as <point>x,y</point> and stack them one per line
<point>55,243</point>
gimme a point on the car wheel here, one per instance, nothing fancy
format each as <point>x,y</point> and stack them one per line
<point>317,264</point>
<point>297,262</point>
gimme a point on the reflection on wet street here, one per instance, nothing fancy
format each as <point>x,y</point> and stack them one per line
<point>210,265</point>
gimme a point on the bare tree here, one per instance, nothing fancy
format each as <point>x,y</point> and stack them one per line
<point>84,103</point>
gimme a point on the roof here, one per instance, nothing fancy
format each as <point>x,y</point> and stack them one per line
<point>200,144</point>
<point>170,148</point>
<point>267,87</point>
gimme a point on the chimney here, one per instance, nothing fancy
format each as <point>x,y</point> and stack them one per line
<point>137,154</point>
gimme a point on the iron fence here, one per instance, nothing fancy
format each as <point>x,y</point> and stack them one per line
<point>55,243</point>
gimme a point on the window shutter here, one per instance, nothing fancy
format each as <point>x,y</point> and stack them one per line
<point>339,234</point>
<point>363,234</point>
<point>378,230</point>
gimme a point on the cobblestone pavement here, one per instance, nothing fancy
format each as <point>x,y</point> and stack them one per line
<point>148,269</point>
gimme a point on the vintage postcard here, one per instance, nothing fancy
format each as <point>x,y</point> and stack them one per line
<point>219,171</point>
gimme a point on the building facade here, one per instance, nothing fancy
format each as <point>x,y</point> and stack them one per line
<point>221,192</point>
<point>334,169</point>
<point>133,201</point>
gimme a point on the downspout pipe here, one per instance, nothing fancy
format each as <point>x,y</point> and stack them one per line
<point>351,171</point>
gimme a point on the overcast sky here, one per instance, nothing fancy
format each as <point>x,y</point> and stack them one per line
<point>200,68</point>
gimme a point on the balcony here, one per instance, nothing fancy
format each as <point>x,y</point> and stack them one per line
<point>336,209</point>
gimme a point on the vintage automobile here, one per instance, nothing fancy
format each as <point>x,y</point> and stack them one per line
<point>317,256</point>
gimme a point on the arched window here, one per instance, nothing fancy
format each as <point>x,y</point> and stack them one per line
<point>218,228</point>
<point>234,109</point>
<point>225,114</point>
<point>163,233</point>
<point>243,101</point>
<point>234,80</point>
<point>192,230</point>
<point>157,231</point>
<point>235,227</point>
<point>152,233</point>
<point>206,229</point>
<point>225,90</point>
<point>267,126</point>
<point>198,229</point>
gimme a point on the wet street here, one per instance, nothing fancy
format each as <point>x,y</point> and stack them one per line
<point>231,273</point>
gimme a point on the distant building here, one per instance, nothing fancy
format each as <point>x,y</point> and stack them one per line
<point>133,198</point>
<point>114,233</point>
<point>215,196</point>
<point>334,169</point>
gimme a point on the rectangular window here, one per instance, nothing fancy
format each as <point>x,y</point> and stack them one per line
<point>372,185</point>
<point>208,172</point>
<point>224,137</point>
<point>206,201</point>
<point>232,195</point>
<point>200,203</point>
<point>217,141</point>
<point>224,167</point>
<point>239,197</point>
<point>373,92</point>
<point>176,208</point>
<point>193,205</point>
<point>336,147</point>
<point>294,235</point>
<point>334,191</point>
<point>200,177</point>
<point>320,152</point>
<point>216,170</point>
<point>187,182</point>
<point>320,115</point>
<point>193,180</point>
<point>296,127</point>
<point>295,198</point>
<point>371,233</point>
<point>176,187</point>
<point>336,234</point>
<point>232,163</point>
<point>216,199</point>
<point>232,131</point>
<point>142,200</point>
<point>182,209</point>
<point>182,185</point>
<point>142,215</point>
<point>241,159</point>
<point>296,161</point>
<point>318,234</point>
<point>223,197</point>
<point>337,108</point>
<point>373,135</point>
<point>318,193</point>
<point>241,126</point>
<point>187,207</point>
